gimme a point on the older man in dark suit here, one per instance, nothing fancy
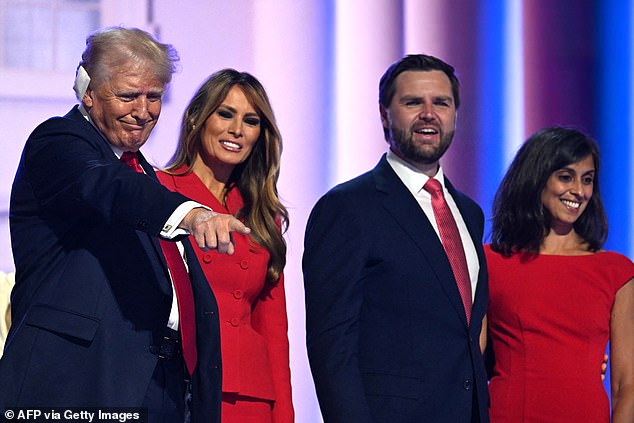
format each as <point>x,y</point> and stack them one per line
<point>95,319</point>
<point>394,271</point>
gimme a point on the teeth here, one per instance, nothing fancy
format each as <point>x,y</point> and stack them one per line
<point>426,131</point>
<point>230,144</point>
<point>572,204</point>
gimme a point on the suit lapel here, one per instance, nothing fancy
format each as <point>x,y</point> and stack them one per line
<point>152,243</point>
<point>400,203</point>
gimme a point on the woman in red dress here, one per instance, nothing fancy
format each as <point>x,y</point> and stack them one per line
<point>556,297</point>
<point>228,159</point>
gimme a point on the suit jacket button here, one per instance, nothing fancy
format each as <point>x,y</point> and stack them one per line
<point>237,294</point>
<point>235,322</point>
<point>467,384</point>
<point>207,257</point>
<point>244,264</point>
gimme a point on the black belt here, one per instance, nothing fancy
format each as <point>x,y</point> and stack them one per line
<point>170,346</point>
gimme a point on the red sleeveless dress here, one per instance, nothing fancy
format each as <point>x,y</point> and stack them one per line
<point>549,324</point>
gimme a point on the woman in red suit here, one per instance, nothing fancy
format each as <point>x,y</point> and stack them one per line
<point>555,296</point>
<point>228,158</point>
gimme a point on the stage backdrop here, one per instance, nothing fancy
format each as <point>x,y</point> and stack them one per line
<point>523,65</point>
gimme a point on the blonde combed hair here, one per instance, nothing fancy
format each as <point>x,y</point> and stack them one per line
<point>114,48</point>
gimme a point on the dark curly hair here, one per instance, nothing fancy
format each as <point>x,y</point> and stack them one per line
<point>520,223</point>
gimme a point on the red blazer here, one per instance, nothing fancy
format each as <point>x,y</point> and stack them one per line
<point>253,320</point>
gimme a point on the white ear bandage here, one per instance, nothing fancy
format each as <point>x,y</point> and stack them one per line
<point>81,83</point>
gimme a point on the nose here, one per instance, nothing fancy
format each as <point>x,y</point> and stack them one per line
<point>427,112</point>
<point>577,188</point>
<point>140,110</point>
<point>235,128</point>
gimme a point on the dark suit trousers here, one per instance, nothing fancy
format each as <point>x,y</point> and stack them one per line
<point>165,396</point>
<point>475,409</point>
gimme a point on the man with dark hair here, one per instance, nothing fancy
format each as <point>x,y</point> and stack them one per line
<point>105,311</point>
<point>394,271</point>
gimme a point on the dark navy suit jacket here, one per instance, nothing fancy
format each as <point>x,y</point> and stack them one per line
<point>92,292</point>
<point>387,335</point>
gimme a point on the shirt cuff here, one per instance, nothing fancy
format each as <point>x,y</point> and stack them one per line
<point>170,229</point>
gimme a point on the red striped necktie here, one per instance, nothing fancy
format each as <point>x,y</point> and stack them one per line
<point>450,237</point>
<point>182,285</point>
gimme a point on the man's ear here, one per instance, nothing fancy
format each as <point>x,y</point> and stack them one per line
<point>87,98</point>
<point>384,119</point>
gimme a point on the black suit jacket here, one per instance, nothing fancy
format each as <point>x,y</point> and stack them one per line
<point>387,334</point>
<point>92,292</point>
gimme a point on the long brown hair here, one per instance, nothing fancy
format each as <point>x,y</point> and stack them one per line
<point>255,178</point>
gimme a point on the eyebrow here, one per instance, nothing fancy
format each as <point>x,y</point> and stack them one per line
<point>234,110</point>
<point>408,97</point>
<point>571,170</point>
<point>133,92</point>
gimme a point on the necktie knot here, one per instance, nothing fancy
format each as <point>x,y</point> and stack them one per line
<point>433,187</point>
<point>132,160</point>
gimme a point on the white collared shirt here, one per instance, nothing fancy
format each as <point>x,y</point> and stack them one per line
<point>414,180</point>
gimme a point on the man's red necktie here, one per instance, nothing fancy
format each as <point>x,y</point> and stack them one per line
<point>182,285</point>
<point>450,237</point>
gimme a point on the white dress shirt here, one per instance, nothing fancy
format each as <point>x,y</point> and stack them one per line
<point>414,180</point>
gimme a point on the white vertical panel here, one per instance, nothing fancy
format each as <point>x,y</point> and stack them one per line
<point>291,56</point>
<point>425,25</point>
<point>368,40</point>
